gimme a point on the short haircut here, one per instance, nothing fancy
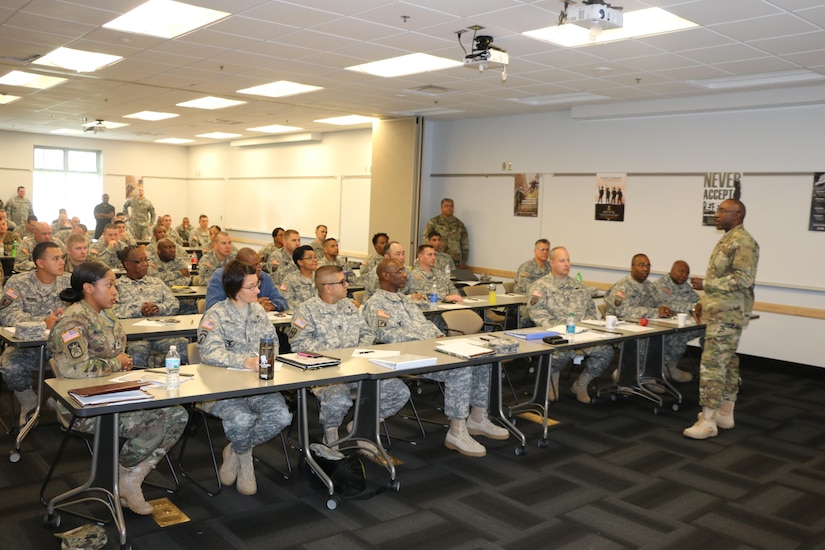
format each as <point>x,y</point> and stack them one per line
<point>542,241</point>
<point>31,218</point>
<point>116,223</point>
<point>19,187</point>
<point>432,234</point>
<point>553,251</point>
<point>275,231</point>
<point>298,253</point>
<point>378,236</point>
<point>41,248</point>
<point>75,238</point>
<point>289,232</point>
<point>202,216</point>
<point>447,200</point>
<point>220,234</point>
<point>319,226</point>
<point>325,272</point>
<point>330,240</point>
<point>233,276</point>
<point>636,257</point>
<point>123,254</point>
<point>423,247</point>
<point>112,226</point>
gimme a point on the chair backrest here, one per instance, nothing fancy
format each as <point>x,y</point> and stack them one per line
<point>53,366</point>
<point>476,290</point>
<point>359,295</point>
<point>196,281</point>
<point>193,352</point>
<point>509,286</point>
<point>201,305</point>
<point>603,309</point>
<point>462,321</point>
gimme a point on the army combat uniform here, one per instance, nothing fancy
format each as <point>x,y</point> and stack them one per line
<point>681,299</point>
<point>297,289</point>
<point>227,337</point>
<point>318,326</point>
<point>199,238</point>
<point>85,344</point>
<point>726,310</point>
<point>24,261</point>
<point>528,273</point>
<point>209,263</point>
<point>141,217</point>
<point>101,252</point>
<point>131,296</point>
<point>169,272</point>
<point>25,298</point>
<point>18,210</point>
<point>455,241</point>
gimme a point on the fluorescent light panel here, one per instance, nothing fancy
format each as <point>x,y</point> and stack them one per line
<point>413,63</point>
<point>636,24</point>
<point>348,120</point>
<point>211,103</point>
<point>77,60</point>
<point>218,135</point>
<point>151,115</point>
<point>281,88</point>
<point>6,98</point>
<point>67,131</point>
<point>274,129</point>
<point>575,97</point>
<point>30,80</point>
<point>164,18</point>
<point>761,79</point>
<point>174,141</point>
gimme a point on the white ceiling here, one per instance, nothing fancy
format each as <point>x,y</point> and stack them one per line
<point>311,41</point>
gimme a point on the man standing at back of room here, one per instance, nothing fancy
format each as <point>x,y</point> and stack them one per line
<point>141,213</point>
<point>19,208</point>
<point>725,309</point>
<point>454,238</point>
<point>104,214</point>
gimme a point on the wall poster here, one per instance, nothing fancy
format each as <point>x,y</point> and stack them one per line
<point>611,195</point>
<point>718,187</point>
<point>526,194</point>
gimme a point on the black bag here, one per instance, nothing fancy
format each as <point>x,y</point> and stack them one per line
<point>349,478</point>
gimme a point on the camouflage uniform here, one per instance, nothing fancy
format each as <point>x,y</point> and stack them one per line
<point>169,272</point>
<point>681,299</point>
<point>455,242</point>
<point>551,300</point>
<point>183,233</point>
<point>318,248</point>
<point>297,289</point>
<point>630,299</point>
<point>142,217</point>
<point>101,252</point>
<point>199,238</point>
<point>370,263</point>
<point>370,282</point>
<point>85,344</point>
<point>152,249</point>
<point>131,296</point>
<point>18,209</point>
<point>422,281</point>
<point>726,310</point>
<point>280,264</point>
<point>23,261</point>
<point>265,253</point>
<point>527,274</point>
<point>8,241</point>
<point>208,264</point>
<point>226,337</point>
<point>174,237</point>
<point>318,326</point>
<point>25,298</point>
<point>394,318</point>
<point>352,278</point>
<point>442,261</point>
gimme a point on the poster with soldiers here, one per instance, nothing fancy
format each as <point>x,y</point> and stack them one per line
<point>611,194</point>
<point>718,187</point>
<point>526,195</point>
<point>817,222</point>
<point>132,186</point>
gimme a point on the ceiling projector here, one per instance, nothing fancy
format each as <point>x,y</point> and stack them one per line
<point>486,55</point>
<point>588,15</point>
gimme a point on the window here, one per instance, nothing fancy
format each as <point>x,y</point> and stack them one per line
<point>66,178</point>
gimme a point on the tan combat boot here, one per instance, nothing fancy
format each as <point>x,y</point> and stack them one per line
<point>130,482</point>
<point>246,485</point>
<point>579,387</point>
<point>724,418</point>
<point>229,469</point>
<point>552,392</point>
<point>675,374</point>
<point>28,402</point>
<point>458,439</point>
<point>705,425</point>
<point>479,424</point>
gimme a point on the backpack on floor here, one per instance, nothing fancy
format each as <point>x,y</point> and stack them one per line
<point>349,478</point>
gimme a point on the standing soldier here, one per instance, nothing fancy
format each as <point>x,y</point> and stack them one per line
<point>19,208</point>
<point>454,238</point>
<point>142,214</point>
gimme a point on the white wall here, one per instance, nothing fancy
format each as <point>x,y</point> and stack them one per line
<point>779,141</point>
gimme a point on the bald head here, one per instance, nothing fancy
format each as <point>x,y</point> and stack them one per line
<point>42,232</point>
<point>392,276</point>
<point>248,256</point>
<point>680,272</point>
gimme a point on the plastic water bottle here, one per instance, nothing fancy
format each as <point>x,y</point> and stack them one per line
<point>14,249</point>
<point>433,297</point>
<point>172,369</point>
<point>571,327</point>
<point>447,271</point>
<point>579,276</point>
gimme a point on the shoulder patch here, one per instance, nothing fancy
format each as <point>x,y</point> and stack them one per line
<point>283,286</point>
<point>70,335</point>
<point>299,322</point>
<point>383,314</point>
<point>13,294</point>
<point>206,324</point>
<point>620,294</point>
<point>666,290</point>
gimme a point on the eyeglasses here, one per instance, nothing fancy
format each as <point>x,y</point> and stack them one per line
<point>543,249</point>
<point>143,261</point>
<point>308,258</point>
<point>253,287</point>
<point>642,265</point>
<point>342,282</point>
<point>726,211</point>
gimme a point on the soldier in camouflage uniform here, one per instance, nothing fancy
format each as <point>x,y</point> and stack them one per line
<point>183,230</point>
<point>142,296</point>
<point>219,256</point>
<point>167,266</point>
<point>424,278</point>
<point>676,293</point>
<point>142,215</point>
<point>330,257</point>
<point>281,262</point>
<point>393,250</point>
<point>105,250</point>
<point>529,272</point>
<point>88,342</point>
<point>318,244</point>
<point>42,234</point>
<point>170,231</point>
<point>161,232</point>
<point>228,336</point>
<point>124,234</point>
<point>394,318</point>
<point>551,300</point>
<point>19,208</point>
<point>31,296</point>
<point>379,242</point>
<point>454,238</point>
<point>725,309</point>
<point>7,237</point>
<point>331,321</point>
<point>199,237</point>
<point>77,252</point>
<point>299,286</point>
<point>267,251</point>
<point>633,297</point>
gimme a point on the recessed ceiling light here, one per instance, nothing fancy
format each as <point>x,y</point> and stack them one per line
<point>218,135</point>
<point>274,129</point>
<point>430,111</point>
<point>575,97</point>
<point>348,120</point>
<point>151,115</point>
<point>107,123</point>
<point>6,98</point>
<point>638,23</point>
<point>67,131</point>
<point>164,18</point>
<point>76,60</point>
<point>30,80</point>
<point>413,63</point>
<point>174,141</point>
<point>281,88</point>
<point>761,79</point>
<point>211,103</point>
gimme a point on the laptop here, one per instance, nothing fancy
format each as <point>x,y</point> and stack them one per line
<point>462,274</point>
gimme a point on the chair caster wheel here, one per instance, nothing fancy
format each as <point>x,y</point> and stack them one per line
<point>614,397</point>
<point>333,502</point>
<point>52,521</point>
<point>521,451</point>
<point>14,457</point>
<point>394,485</point>
<point>543,443</point>
<point>675,407</point>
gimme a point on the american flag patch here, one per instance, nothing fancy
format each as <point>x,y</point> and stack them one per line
<point>667,290</point>
<point>12,293</point>
<point>70,335</point>
<point>382,313</point>
<point>620,293</point>
<point>537,293</point>
<point>206,324</point>
<point>300,323</point>
<point>282,287</point>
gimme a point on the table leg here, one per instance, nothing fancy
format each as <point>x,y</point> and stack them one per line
<point>366,424</point>
<point>631,377</point>
<point>14,456</point>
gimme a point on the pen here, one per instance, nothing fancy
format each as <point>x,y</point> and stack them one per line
<point>157,371</point>
<point>367,352</point>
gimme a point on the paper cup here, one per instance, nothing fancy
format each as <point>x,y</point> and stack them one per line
<point>681,319</point>
<point>610,321</point>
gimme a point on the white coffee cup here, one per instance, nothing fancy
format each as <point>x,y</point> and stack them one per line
<point>681,319</point>
<point>610,322</point>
